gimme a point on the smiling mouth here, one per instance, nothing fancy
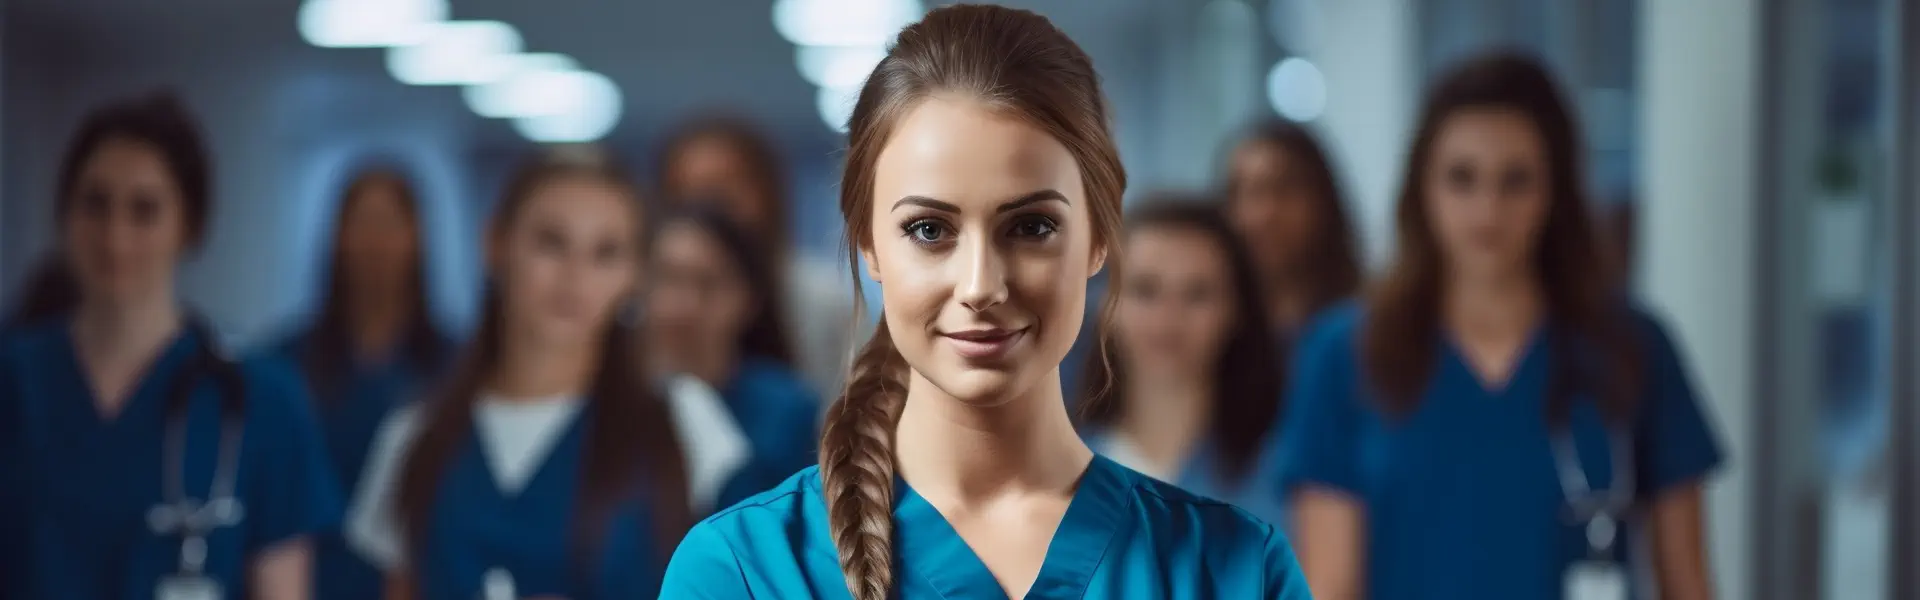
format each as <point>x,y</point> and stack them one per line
<point>981,344</point>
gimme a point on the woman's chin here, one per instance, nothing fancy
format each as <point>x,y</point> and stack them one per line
<point>983,388</point>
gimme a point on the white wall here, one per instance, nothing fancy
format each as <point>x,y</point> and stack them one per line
<point>1699,118</point>
<point>1367,52</point>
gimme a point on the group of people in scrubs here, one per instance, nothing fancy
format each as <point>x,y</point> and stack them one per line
<point>637,413</point>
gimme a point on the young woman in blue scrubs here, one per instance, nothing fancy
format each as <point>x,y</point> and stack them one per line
<point>550,466</point>
<point>1494,421</point>
<point>1285,200</point>
<point>373,347</point>
<point>982,189</point>
<point>714,312</point>
<point>1193,388</point>
<point>114,403</point>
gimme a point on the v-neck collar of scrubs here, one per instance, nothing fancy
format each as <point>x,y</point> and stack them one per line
<point>1524,357</point>
<point>147,387</point>
<point>935,552</point>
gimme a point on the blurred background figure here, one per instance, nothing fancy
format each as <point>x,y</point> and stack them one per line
<point>373,348</point>
<point>726,163</point>
<point>1495,362</point>
<point>1283,197</point>
<point>714,311</point>
<point>551,466</point>
<point>1195,382</point>
<point>119,411</point>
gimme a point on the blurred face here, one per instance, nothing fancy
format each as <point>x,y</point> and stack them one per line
<point>982,243</point>
<point>698,301</point>
<point>125,229</point>
<point>710,169</point>
<point>1487,192</point>
<point>1176,303</point>
<point>379,239</point>
<point>1272,202</point>
<point>567,261</point>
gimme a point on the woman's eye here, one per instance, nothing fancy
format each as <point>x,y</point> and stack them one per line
<point>1034,228</point>
<point>926,232</point>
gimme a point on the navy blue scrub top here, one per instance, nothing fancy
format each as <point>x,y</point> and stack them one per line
<point>1462,498</point>
<point>351,409</point>
<point>78,485</point>
<point>780,415</point>
<point>529,534</point>
<point>1124,535</point>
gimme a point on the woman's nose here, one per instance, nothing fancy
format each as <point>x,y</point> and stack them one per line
<point>983,282</point>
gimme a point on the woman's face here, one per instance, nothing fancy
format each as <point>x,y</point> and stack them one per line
<point>1487,192</point>
<point>568,260</point>
<point>698,301</point>
<point>1175,308</point>
<point>710,169</point>
<point>982,243</point>
<point>379,238</point>
<point>125,229</point>
<point>1272,201</point>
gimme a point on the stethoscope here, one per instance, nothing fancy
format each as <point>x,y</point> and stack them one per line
<point>191,519</point>
<point>1603,512</point>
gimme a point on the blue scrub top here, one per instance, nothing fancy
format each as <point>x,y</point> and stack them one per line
<point>475,527</point>
<point>780,415</point>
<point>79,485</point>
<point>1462,497</point>
<point>351,411</point>
<point>1124,535</point>
<point>1256,491</point>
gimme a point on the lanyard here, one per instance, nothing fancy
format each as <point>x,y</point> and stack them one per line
<point>1602,511</point>
<point>189,518</point>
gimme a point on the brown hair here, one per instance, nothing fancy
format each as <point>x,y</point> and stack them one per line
<point>1017,62</point>
<point>1402,333</point>
<point>757,154</point>
<point>1249,375</point>
<point>631,447</point>
<point>1333,262</point>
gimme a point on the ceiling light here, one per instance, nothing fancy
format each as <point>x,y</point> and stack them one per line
<point>457,53</point>
<point>836,106</point>
<point>838,66</point>
<point>1297,90</point>
<point>571,106</point>
<point>519,92</point>
<point>844,22</point>
<point>367,23</point>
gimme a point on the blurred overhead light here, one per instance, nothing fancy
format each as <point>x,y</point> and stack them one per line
<point>1297,90</point>
<point>568,106</point>
<point>518,93</point>
<point>838,66</point>
<point>836,105</point>
<point>844,22</point>
<point>457,53</point>
<point>368,23</point>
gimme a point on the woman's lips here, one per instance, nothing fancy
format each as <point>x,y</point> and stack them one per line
<point>979,344</point>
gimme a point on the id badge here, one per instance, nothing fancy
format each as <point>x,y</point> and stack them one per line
<point>1595,580</point>
<point>186,587</point>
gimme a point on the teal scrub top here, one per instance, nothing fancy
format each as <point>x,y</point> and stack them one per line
<point>78,485</point>
<point>1462,497</point>
<point>1124,535</point>
<point>1257,490</point>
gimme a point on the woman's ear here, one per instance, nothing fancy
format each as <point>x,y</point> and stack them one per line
<point>1098,261</point>
<point>872,265</point>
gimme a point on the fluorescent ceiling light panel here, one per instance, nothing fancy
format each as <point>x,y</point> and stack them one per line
<point>844,22</point>
<point>1297,90</point>
<point>571,106</point>
<point>519,93</point>
<point>457,53</point>
<point>368,23</point>
<point>838,66</point>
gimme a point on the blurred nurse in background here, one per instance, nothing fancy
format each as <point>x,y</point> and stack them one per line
<point>729,165</point>
<point>120,416</point>
<point>372,348</point>
<point>1494,421</point>
<point>714,312</point>
<point>1283,197</point>
<point>1194,386</point>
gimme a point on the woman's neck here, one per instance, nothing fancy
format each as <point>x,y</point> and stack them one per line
<point>1166,417</point>
<point>1500,307</point>
<point>115,341</point>
<point>957,454</point>
<point>376,325</point>
<point>531,371</point>
<point>715,365</point>
<point>1289,299</point>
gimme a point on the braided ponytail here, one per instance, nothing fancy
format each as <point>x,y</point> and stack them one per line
<point>1014,61</point>
<point>856,466</point>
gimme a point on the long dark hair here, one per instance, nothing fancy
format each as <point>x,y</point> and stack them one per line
<point>157,119</point>
<point>1012,60</point>
<point>1402,333</point>
<point>1333,261</point>
<point>1249,375</point>
<point>757,154</point>
<point>631,447</point>
<point>765,334</point>
<point>329,349</point>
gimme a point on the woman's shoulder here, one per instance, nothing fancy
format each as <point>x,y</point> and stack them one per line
<point>775,507</point>
<point>32,338</point>
<point>1167,508</point>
